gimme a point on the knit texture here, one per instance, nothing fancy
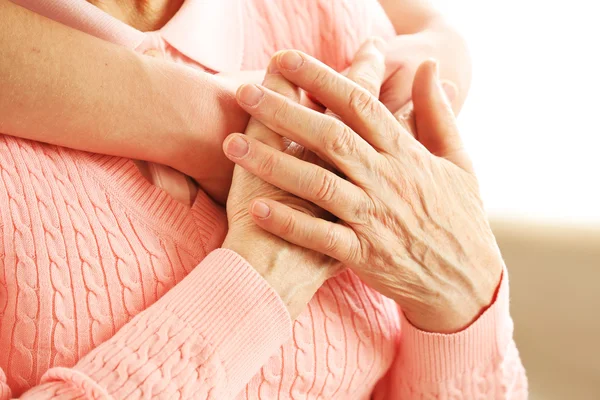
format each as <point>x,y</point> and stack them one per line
<point>109,288</point>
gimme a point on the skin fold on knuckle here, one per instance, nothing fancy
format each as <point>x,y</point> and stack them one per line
<point>287,225</point>
<point>337,139</point>
<point>326,189</point>
<point>367,79</point>
<point>266,164</point>
<point>362,104</point>
<point>281,114</point>
<point>362,211</point>
<point>321,81</point>
<point>331,241</point>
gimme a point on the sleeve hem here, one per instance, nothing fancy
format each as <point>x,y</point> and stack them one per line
<point>436,357</point>
<point>234,309</point>
<point>210,333</point>
<point>78,380</point>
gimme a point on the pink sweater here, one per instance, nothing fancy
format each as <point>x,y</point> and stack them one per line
<point>109,288</point>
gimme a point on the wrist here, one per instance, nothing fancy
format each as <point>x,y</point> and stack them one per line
<point>282,265</point>
<point>455,311</point>
<point>193,113</point>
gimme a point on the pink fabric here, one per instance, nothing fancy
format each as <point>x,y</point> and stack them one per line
<point>110,288</point>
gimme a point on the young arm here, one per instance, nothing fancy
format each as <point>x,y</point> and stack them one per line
<point>422,33</point>
<point>64,87</point>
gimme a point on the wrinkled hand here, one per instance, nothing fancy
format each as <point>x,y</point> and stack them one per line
<point>295,272</point>
<point>411,222</point>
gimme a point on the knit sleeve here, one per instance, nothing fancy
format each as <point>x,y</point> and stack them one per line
<point>480,362</point>
<point>206,338</point>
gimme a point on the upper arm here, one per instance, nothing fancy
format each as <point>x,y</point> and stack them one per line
<point>409,16</point>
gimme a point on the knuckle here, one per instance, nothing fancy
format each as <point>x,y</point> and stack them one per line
<point>282,111</point>
<point>331,242</point>
<point>338,139</point>
<point>368,80</point>
<point>321,81</point>
<point>363,210</point>
<point>326,189</point>
<point>288,225</point>
<point>362,103</point>
<point>267,165</point>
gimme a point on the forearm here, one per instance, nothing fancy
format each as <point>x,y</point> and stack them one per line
<point>424,33</point>
<point>65,87</point>
<point>205,338</point>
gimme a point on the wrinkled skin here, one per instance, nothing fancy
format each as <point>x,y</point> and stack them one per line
<point>295,272</point>
<point>411,221</point>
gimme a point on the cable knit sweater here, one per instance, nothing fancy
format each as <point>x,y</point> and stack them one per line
<point>109,288</point>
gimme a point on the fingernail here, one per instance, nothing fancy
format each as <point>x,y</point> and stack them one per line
<point>379,44</point>
<point>450,89</point>
<point>250,95</point>
<point>237,147</point>
<point>260,209</point>
<point>290,60</point>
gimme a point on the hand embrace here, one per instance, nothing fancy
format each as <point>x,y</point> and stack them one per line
<point>404,55</point>
<point>411,222</point>
<point>295,272</point>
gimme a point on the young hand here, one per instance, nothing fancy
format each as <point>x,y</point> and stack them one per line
<point>405,53</point>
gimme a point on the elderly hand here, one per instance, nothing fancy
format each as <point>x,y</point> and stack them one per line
<point>411,222</point>
<point>295,272</point>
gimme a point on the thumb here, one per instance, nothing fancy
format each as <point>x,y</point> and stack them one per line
<point>434,119</point>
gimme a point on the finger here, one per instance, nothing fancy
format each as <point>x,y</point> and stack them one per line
<point>329,238</point>
<point>276,82</point>
<point>451,92</point>
<point>303,179</point>
<point>435,120</point>
<point>326,136</point>
<point>358,108</point>
<point>368,67</point>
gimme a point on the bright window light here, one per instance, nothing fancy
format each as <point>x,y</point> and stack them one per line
<point>532,119</point>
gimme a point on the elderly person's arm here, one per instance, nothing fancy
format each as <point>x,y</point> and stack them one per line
<point>411,224</point>
<point>64,87</point>
<point>209,334</point>
<point>204,339</point>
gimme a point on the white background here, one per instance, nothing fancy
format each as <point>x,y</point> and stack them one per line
<point>532,119</point>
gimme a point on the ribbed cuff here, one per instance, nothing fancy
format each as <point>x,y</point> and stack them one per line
<point>435,357</point>
<point>210,333</point>
<point>234,309</point>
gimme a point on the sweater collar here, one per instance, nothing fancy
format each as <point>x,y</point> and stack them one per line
<point>208,32</point>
